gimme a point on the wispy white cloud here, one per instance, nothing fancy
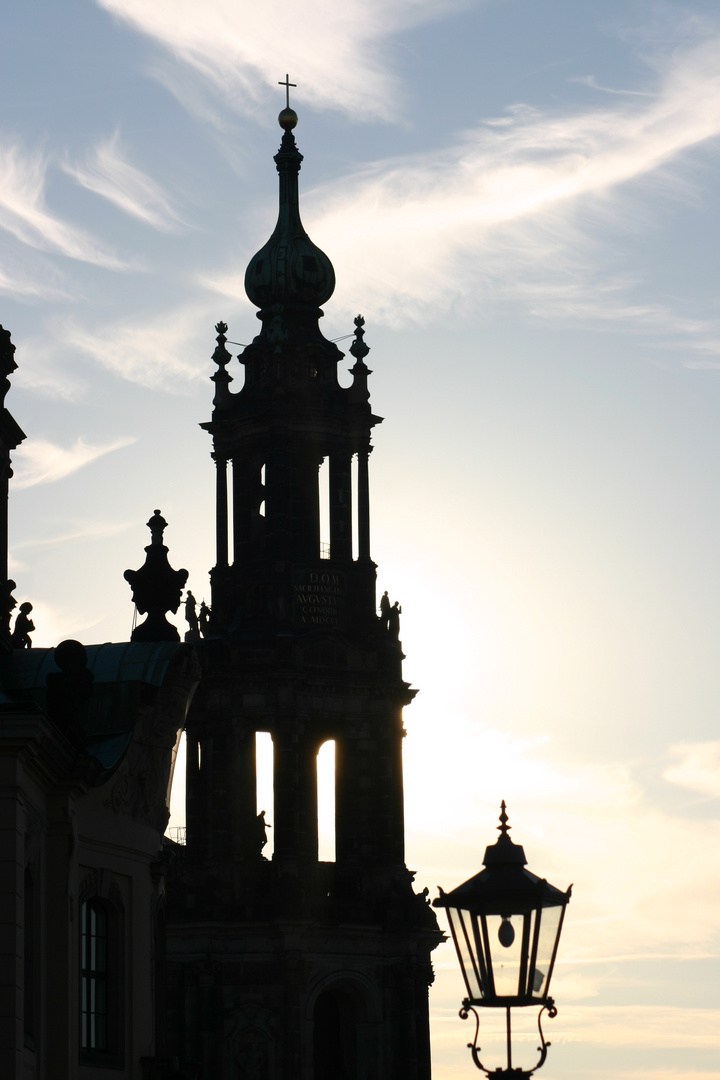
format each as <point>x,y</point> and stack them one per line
<point>591,82</point>
<point>42,462</point>
<point>608,303</point>
<point>497,212</point>
<point>94,530</point>
<point>517,210</point>
<point>16,281</point>
<point>157,353</point>
<point>575,819</point>
<point>695,766</point>
<point>23,211</point>
<point>44,370</point>
<point>334,50</point>
<point>106,172</point>
<point>83,533</point>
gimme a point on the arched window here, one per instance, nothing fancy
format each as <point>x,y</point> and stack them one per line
<point>264,788</point>
<point>324,504</point>
<point>326,801</point>
<point>100,972</point>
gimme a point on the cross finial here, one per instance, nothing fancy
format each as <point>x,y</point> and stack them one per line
<point>287,84</point>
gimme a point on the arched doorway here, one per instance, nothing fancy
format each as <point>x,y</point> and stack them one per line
<point>338,1049</point>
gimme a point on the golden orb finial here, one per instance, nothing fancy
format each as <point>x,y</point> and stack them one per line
<point>287,119</point>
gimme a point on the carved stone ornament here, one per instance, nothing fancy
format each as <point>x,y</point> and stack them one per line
<point>141,785</point>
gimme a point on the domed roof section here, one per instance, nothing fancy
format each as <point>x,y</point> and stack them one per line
<point>289,268</point>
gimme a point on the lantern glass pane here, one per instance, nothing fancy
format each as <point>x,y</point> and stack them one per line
<point>549,923</point>
<point>462,929</point>
<point>506,954</point>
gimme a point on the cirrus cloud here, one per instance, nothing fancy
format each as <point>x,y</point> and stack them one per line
<point>334,49</point>
<point>107,172</point>
<point>695,766</point>
<point>43,462</point>
<point>24,214</point>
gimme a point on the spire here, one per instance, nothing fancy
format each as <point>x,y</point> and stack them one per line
<point>289,271</point>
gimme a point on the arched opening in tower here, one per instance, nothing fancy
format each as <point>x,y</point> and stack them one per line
<point>326,801</point>
<point>264,787</point>
<point>354,516</point>
<point>176,796</point>
<point>324,500</point>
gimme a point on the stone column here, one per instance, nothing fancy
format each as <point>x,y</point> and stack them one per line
<point>340,506</point>
<point>221,510</point>
<point>363,505</point>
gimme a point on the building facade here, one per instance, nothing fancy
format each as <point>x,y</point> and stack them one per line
<point>88,738</point>
<point>125,953</point>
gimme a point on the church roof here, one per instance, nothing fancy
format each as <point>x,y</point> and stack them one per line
<point>122,673</point>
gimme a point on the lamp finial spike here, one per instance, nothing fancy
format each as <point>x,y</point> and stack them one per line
<point>503,827</point>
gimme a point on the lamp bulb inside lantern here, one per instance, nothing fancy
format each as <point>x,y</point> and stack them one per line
<point>506,932</point>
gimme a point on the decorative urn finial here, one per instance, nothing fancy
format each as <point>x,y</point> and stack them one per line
<point>156,587</point>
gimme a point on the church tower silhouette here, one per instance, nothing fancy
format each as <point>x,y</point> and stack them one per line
<point>292,968</point>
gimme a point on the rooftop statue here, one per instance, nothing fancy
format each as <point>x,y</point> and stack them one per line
<point>24,627</point>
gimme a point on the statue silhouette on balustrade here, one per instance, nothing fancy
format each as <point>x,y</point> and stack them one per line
<point>191,618</point>
<point>24,626</point>
<point>385,610</point>
<point>261,827</point>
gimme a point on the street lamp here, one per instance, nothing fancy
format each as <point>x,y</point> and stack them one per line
<point>505,923</point>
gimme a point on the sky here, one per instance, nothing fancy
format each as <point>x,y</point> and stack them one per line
<point>520,198</point>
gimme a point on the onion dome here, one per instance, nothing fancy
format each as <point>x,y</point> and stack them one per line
<point>289,269</point>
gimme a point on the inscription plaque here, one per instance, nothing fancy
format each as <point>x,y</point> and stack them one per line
<point>319,596</point>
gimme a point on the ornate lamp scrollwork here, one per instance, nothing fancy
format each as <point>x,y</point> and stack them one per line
<point>510,1072</point>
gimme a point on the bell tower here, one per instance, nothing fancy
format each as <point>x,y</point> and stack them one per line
<point>291,968</point>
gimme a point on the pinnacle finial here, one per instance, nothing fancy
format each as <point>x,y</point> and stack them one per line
<point>288,117</point>
<point>503,827</point>
<point>358,348</point>
<point>222,358</point>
